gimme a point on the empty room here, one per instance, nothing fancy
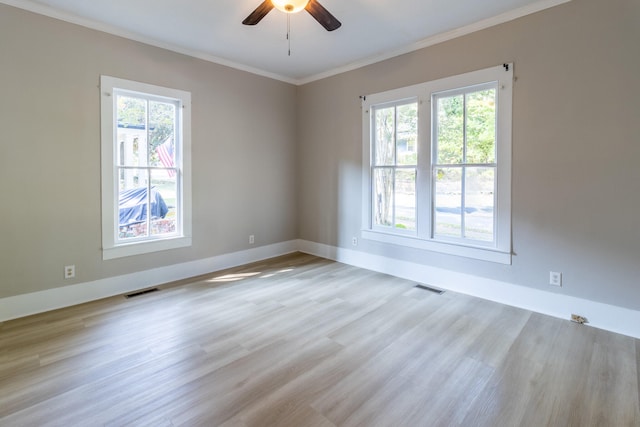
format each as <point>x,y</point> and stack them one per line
<point>319,213</point>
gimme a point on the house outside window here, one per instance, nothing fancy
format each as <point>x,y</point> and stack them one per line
<point>439,174</point>
<point>145,168</point>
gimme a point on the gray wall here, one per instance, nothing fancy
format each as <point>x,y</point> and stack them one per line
<point>243,149</point>
<point>576,183</point>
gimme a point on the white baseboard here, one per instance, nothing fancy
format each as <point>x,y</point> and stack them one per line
<point>51,299</point>
<point>603,316</point>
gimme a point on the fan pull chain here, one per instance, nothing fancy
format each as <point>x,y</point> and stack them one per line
<point>289,32</point>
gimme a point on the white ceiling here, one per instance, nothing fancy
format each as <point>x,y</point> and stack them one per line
<point>212,29</point>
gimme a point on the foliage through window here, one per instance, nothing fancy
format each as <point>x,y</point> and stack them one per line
<point>395,132</point>
<point>464,166</point>
<point>439,157</point>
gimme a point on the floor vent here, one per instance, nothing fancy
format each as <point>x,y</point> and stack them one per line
<point>137,294</point>
<point>427,288</point>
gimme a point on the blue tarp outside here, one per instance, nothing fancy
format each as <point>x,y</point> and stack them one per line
<point>133,206</point>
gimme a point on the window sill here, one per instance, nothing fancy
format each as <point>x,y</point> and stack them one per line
<point>139,248</point>
<point>474,252</point>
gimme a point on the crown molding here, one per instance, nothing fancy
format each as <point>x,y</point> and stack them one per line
<point>438,38</point>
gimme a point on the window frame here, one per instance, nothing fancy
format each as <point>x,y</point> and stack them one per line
<point>112,247</point>
<point>424,238</point>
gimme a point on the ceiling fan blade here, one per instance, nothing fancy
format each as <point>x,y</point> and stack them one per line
<point>322,15</point>
<point>260,12</point>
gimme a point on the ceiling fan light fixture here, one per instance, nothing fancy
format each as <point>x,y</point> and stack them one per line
<point>315,9</point>
<point>290,6</point>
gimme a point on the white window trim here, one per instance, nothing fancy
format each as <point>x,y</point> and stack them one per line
<point>110,248</point>
<point>501,253</point>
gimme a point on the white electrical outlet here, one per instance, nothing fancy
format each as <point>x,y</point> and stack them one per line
<point>555,278</point>
<point>69,271</point>
<point>354,241</point>
<point>252,239</point>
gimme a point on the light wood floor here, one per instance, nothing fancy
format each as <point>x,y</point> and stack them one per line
<point>301,341</point>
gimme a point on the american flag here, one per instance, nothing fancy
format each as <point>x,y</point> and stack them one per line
<point>165,153</point>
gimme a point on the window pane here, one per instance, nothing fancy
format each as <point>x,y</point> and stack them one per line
<point>132,131</point>
<point>479,203</point>
<point>131,112</point>
<point>481,126</point>
<point>448,202</point>
<point>382,196</point>
<point>132,203</point>
<point>407,134</point>
<point>161,133</point>
<point>405,199</point>
<point>163,203</point>
<point>384,129</point>
<point>450,137</point>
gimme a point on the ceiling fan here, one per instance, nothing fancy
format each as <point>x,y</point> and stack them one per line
<point>315,9</point>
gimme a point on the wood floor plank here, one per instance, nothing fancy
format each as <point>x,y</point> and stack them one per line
<point>430,368</point>
<point>97,396</point>
<point>299,341</point>
<point>405,349</point>
<point>413,401</point>
<point>12,366</point>
<point>608,390</point>
<point>515,385</point>
<point>289,414</point>
<point>317,381</point>
<point>39,385</point>
<point>239,384</point>
<point>569,358</point>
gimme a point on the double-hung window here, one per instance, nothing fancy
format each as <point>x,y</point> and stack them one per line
<point>145,168</point>
<point>439,157</point>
